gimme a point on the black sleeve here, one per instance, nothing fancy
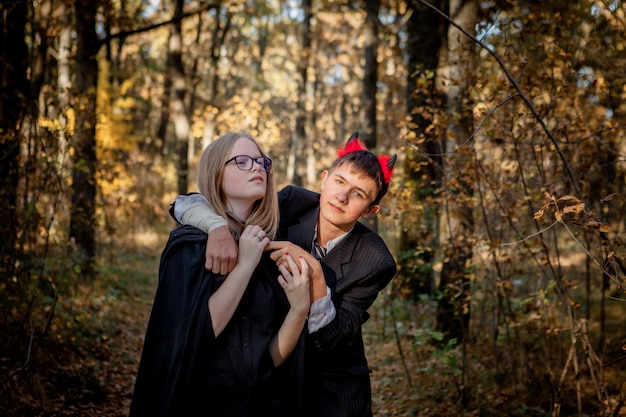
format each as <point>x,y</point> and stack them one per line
<point>351,310</point>
<point>295,202</point>
<point>363,279</point>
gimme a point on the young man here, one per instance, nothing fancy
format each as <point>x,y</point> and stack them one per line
<point>351,264</point>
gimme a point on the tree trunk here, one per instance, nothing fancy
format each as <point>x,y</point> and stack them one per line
<point>457,226</point>
<point>194,78</point>
<point>416,246</point>
<point>367,131</point>
<point>64,58</point>
<point>312,174</point>
<point>161,134</point>
<point>82,210</point>
<point>179,112</point>
<point>13,84</point>
<point>293,173</point>
<point>217,40</point>
<point>601,184</point>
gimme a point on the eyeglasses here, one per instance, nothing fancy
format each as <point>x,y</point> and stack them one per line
<point>246,163</point>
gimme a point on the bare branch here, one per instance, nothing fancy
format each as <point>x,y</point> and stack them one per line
<point>148,28</point>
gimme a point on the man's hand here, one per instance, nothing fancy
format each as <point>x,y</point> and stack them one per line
<point>221,251</point>
<point>317,282</point>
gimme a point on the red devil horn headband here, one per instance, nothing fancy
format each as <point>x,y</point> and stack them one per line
<point>387,162</point>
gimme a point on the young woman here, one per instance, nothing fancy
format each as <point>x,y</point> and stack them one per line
<point>222,345</point>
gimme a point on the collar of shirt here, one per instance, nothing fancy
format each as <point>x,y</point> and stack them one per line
<point>333,242</point>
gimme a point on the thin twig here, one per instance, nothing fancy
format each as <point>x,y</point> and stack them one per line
<point>23,367</point>
<point>398,341</point>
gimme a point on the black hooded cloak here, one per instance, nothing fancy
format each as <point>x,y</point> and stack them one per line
<point>186,371</point>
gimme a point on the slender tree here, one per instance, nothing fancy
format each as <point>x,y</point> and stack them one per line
<point>64,66</point>
<point>368,126</point>
<point>424,158</point>
<point>13,104</point>
<point>367,129</point>
<point>220,30</point>
<point>83,208</point>
<point>180,113</point>
<point>165,113</point>
<point>457,226</point>
<point>297,144</point>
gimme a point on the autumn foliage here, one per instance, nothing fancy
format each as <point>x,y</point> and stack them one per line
<point>506,211</point>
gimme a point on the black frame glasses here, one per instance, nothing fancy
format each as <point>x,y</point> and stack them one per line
<point>246,162</point>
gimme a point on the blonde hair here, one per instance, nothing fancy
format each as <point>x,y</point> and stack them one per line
<point>265,212</point>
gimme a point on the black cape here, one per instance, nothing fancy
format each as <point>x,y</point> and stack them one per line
<point>186,370</point>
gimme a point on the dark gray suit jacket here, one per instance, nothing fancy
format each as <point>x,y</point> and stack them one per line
<point>356,270</point>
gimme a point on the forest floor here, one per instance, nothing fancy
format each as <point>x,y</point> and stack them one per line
<point>87,368</point>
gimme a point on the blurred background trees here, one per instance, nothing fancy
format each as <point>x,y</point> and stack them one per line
<point>506,213</point>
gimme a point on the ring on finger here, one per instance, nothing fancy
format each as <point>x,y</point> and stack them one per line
<point>260,237</point>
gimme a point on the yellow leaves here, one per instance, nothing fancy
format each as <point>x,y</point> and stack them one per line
<point>605,228</point>
<point>602,227</point>
<point>51,124</point>
<point>608,198</point>
<point>545,98</point>
<point>540,212</point>
<point>57,124</point>
<point>570,204</point>
<point>576,207</point>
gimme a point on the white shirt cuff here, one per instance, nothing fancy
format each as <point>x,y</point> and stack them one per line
<point>321,313</point>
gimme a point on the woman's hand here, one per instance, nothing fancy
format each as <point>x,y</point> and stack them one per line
<point>251,244</point>
<point>294,279</point>
<point>223,302</point>
<point>295,282</point>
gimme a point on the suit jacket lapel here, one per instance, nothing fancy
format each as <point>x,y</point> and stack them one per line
<point>342,254</point>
